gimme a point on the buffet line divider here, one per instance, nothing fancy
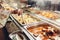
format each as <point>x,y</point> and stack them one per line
<point>22,27</point>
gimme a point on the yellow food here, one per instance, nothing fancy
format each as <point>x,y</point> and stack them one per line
<point>47,14</point>
<point>25,19</point>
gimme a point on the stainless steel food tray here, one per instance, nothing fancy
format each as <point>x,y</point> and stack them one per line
<point>38,38</point>
<point>18,35</point>
<point>45,19</point>
<point>37,20</point>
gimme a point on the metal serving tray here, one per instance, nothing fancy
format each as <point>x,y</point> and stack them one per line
<point>38,38</point>
<point>51,13</point>
<point>18,35</point>
<point>26,19</point>
<point>46,19</point>
<point>39,12</point>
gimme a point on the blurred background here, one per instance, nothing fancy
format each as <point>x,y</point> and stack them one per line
<point>42,4</point>
<point>46,4</point>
